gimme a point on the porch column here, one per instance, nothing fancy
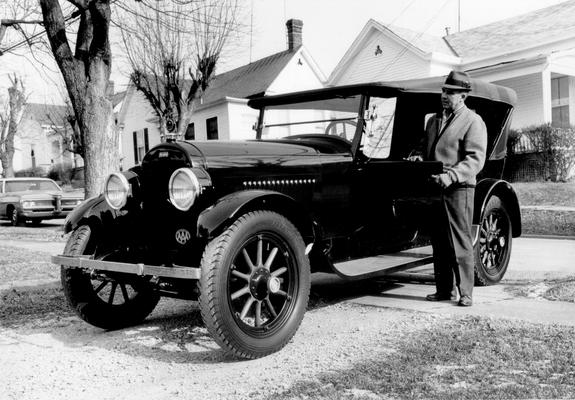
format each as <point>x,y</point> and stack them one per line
<point>546,82</point>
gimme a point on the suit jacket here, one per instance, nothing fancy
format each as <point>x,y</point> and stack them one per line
<point>460,146</point>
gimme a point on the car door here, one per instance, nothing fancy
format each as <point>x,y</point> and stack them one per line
<point>389,191</point>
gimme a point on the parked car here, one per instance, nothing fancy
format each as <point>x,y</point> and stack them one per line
<point>34,199</point>
<point>239,226</point>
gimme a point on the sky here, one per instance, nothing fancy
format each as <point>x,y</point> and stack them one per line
<point>329,28</point>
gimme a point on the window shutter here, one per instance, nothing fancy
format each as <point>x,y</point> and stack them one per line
<point>146,145</point>
<point>190,132</point>
<point>135,136</point>
<point>212,128</point>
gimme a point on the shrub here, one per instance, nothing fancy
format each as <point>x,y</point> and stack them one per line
<point>555,147</point>
<point>62,173</point>
<point>36,172</point>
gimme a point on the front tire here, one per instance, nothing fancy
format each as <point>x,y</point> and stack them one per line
<point>254,284</point>
<point>110,301</point>
<point>493,247</point>
<point>14,217</point>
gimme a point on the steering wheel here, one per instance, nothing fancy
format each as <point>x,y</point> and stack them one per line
<point>341,129</point>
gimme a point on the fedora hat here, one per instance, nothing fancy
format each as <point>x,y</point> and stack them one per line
<point>457,80</point>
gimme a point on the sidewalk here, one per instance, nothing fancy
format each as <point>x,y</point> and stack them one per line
<point>532,259</point>
<point>489,301</point>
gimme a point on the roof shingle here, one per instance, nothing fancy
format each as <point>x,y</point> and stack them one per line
<point>46,114</point>
<point>248,80</point>
<point>523,31</point>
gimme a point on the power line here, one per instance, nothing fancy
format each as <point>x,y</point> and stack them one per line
<point>68,21</point>
<point>404,50</point>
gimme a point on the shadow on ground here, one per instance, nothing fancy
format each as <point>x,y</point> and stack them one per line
<point>173,333</point>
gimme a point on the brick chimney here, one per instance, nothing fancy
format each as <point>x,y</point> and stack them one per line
<point>294,33</point>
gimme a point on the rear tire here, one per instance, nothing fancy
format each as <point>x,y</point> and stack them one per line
<point>110,301</point>
<point>254,284</point>
<point>493,247</point>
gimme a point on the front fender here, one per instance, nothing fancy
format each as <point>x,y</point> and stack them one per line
<point>502,189</point>
<point>213,220</point>
<point>93,211</point>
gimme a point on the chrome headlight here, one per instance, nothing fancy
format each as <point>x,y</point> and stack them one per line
<point>116,190</point>
<point>184,188</point>
<point>28,204</point>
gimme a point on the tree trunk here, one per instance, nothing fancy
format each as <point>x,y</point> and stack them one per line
<point>100,137</point>
<point>86,74</point>
<point>17,101</point>
<point>187,111</point>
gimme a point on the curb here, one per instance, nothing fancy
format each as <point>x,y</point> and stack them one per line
<point>555,237</point>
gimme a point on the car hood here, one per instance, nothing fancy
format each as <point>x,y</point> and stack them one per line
<point>216,154</point>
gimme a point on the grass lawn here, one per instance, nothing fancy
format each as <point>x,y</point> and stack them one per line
<point>465,358</point>
<point>547,222</point>
<point>545,193</point>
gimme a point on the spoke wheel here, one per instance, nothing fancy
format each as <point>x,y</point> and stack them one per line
<point>255,284</point>
<point>262,282</point>
<point>105,300</point>
<point>493,247</point>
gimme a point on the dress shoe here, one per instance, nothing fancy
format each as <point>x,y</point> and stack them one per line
<point>440,297</point>
<point>465,301</point>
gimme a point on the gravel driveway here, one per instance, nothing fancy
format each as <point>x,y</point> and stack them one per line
<point>170,356</point>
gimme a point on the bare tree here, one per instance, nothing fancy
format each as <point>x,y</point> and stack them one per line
<point>86,72</point>
<point>173,49</point>
<point>9,121</point>
<point>24,21</point>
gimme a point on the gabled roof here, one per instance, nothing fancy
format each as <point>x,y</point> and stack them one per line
<point>419,43</point>
<point>117,98</point>
<point>45,114</point>
<point>248,80</point>
<point>538,27</point>
<point>424,42</point>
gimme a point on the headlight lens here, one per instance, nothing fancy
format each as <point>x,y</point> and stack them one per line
<point>28,204</point>
<point>116,191</point>
<point>184,188</point>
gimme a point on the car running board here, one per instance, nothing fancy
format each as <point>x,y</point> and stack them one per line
<point>385,264</point>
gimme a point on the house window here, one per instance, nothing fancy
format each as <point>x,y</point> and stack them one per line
<point>190,132</point>
<point>560,101</point>
<point>141,145</point>
<point>212,128</point>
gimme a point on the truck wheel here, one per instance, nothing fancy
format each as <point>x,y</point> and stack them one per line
<point>108,301</point>
<point>254,284</point>
<point>493,247</point>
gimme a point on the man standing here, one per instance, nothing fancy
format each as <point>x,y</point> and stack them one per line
<point>457,138</point>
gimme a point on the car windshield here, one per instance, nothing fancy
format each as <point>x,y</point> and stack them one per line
<point>336,116</point>
<point>33,185</point>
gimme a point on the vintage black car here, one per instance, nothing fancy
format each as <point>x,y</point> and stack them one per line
<point>239,226</point>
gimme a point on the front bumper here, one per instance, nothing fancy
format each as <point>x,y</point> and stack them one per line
<point>127,268</point>
<point>28,213</point>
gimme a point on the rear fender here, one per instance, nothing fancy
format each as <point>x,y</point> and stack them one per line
<point>215,219</point>
<point>487,188</point>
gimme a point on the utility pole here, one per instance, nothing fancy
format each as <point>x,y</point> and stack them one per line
<point>458,15</point>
